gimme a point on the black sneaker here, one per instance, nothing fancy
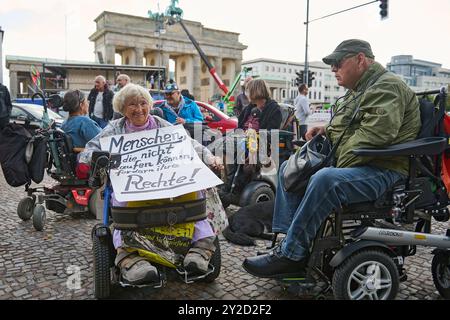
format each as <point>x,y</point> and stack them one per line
<point>275,265</point>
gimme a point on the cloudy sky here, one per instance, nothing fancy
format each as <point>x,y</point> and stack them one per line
<point>271,29</point>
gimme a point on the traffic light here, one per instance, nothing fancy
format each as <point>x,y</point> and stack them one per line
<point>311,77</point>
<point>300,78</point>
<point>383,9</point>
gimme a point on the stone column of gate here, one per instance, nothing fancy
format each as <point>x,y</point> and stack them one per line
<point>165,58</point>
<point>110,54</point>
<point>139,54</point>
<point>13,85</point>
<point>196,71</point>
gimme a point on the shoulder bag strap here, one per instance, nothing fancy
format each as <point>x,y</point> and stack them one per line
<point>336,145</point>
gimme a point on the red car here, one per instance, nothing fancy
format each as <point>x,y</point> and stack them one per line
<point>214,118</point>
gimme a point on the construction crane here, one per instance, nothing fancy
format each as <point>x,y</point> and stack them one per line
<point>173,15</point>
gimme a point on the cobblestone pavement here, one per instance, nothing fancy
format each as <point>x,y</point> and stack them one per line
<point>33,265</point>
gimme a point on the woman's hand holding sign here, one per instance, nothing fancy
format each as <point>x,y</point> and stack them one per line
<point>215,163</point>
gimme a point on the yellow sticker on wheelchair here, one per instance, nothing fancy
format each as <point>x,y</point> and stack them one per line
<point>177,239</point>
<point>152,257</point>
<point>159,245</point>
<point>185,230</point>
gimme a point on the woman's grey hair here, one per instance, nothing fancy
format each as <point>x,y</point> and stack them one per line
<point>72,100</point>
<point>130,91</point>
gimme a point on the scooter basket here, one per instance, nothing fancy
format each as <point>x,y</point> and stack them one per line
<point>126,218</point>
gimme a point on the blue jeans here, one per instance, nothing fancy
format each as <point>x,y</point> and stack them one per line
<point>300,216</point>
<point>101,122</point>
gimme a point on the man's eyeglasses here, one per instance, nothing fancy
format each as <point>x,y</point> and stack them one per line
<point>169,94</point>
<point>338,64</point>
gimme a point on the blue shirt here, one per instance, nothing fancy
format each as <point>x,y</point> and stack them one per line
<point>81,129</point>
<point>187,109</point>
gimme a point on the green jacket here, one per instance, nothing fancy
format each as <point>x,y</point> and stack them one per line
<point>389,115</point>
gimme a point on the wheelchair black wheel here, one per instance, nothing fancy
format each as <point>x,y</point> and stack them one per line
<point>102,266</point>
<point>39,217</point>
<point>257,193</point>
<point>367,274</point>
<point>440,269</point>
<point>216,261</point>
<point>25,208</point>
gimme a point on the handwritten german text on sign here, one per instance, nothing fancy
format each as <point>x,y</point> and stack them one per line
<point>157,164</point>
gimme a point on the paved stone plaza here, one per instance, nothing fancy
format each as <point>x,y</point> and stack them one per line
<point>33,265</point>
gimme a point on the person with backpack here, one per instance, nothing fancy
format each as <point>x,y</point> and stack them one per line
<point>5,106</point>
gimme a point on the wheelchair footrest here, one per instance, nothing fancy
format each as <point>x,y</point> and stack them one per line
<point>191,278</point>
<point>154,285</point>
<point>308,288</point>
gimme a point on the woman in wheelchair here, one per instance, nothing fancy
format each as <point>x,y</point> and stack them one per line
<point>267,114</point>
<point>135,103</point>
<point>389,114</point>
<point>78,126</point>
<point>263,113</point>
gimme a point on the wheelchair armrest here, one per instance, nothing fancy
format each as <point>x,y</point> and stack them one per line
<point>286,133</point>
<point>424,146</point>
<point>104,159</point>
<point>281,132</point>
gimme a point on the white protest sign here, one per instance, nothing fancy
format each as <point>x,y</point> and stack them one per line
<point>157,164</point>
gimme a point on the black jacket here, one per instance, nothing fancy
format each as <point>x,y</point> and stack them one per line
<point>5,102</point>
<point>241,103</point>
<point>108,96</point>
<point>269,119</point>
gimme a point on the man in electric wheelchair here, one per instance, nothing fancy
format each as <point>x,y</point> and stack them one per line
<point>135,103</point>
<point>389,114</point>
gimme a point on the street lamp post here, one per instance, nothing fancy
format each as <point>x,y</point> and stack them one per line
<point>159,30</point>
<point>306,73</point>
<point>306,46</point>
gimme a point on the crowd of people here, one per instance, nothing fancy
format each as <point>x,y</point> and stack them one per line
<point>389,114</point>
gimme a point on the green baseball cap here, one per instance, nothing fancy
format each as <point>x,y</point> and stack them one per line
<point>348,47</point>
